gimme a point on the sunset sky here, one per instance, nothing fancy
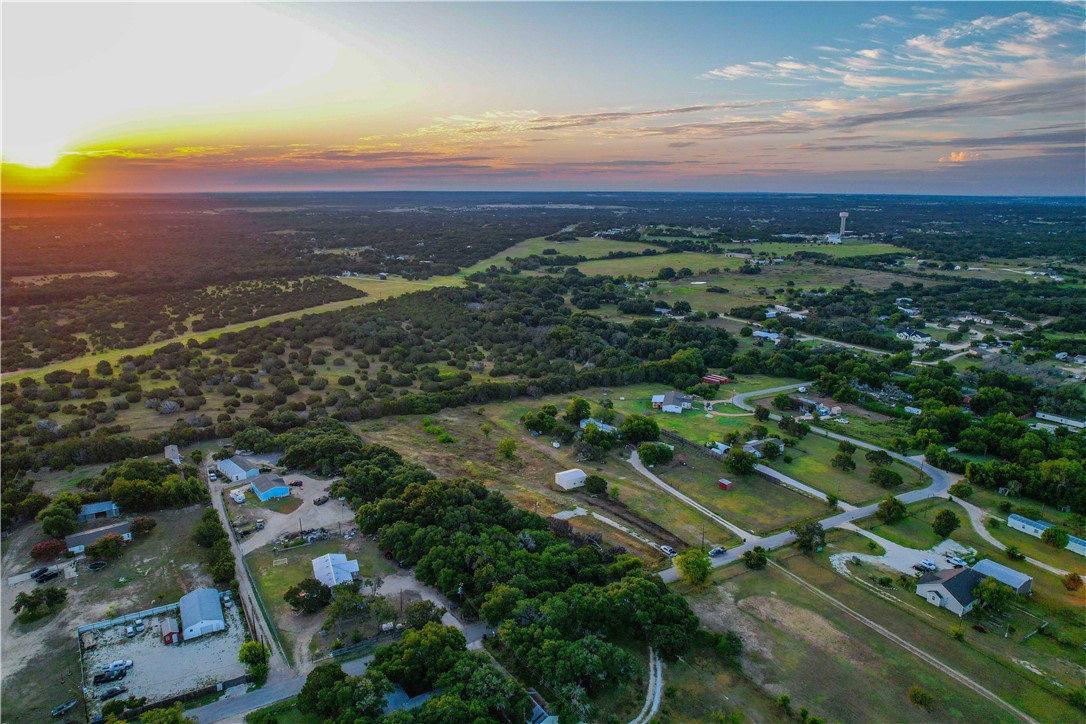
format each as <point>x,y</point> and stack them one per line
<point>897,97</point>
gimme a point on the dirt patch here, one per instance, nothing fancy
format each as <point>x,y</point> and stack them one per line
<point>618,510</point>
<point>720,613</point>
<point>806,626</point>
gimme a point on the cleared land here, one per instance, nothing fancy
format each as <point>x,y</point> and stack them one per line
<point>589,247</point>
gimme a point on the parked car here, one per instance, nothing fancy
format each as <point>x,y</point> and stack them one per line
<point>296,483</point>
<point>929,565</point>
<point>212,477</point>
<point>717,552</point>
<point>321,500</point>
<point>104,677</point>
<point>112,692</point>
<point>117,664</point>
<point>129,630</point>
<point>66,706</point>
<point>97,565</point>
<point>47,576</point>
<point>139,626</point>
<point>956,562</point>
<point>36,574</point>
<point>669,550</point>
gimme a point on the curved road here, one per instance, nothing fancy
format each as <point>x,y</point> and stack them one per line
<point>940,482</point>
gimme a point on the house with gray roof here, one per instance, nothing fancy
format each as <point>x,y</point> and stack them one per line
<point>1019,582</point>
<point>201,613</point>
<point>238,468</point>
<point>77,542</point>
<point>951,589</point>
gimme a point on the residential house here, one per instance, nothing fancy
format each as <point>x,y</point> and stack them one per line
<point>913,335</point>
<point>601,426</point>
<point>238,468</point>
<point>1080,359</point>
<point>782,309</point>
<point>757,446</point>
<point>1066,421</point>
<point>96,511</point>
<point>951,589</point>
<point>77,542</point>
<point>541,713</point>
<point>333,569</point>
<point>268,486</point>
<point>1020,583</point>
<point>771,336</point>
<point>719,448</point>
<point>201,613</point>
<point>674,402</point>
<point>1036,528</point>
<point>172,454</point>
<point>570,479</point>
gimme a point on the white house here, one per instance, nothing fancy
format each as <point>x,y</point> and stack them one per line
<point>674,402</point>
<point>912,335</point>
<point>201,613</point>
<point>951,589</point>
<point>570,479</point>
<point>1019,582</point>
<point>1067,421</point>
<point>601,426</point>
<point>333,569</point>
<point>238,468</point>
<point>1036,528</point>
<point>771,336</point>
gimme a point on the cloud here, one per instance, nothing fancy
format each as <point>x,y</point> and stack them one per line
<point>881,21</point>
<point>682,144</point>
<point>961,157</point>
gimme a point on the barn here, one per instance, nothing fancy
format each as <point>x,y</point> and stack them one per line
<point>171,632</point>
<point>201,613</point>
<point>570,479</point>
<point>237,468</point>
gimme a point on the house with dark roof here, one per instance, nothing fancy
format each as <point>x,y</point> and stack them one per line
<point>951,589</point>
<point>96,511</point>
<point>77,542</point>
<point>672,401</point>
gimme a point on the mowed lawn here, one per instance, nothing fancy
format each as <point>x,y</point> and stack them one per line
<point>811,464</point>
<point>585,246</point>
<point>752,504</point>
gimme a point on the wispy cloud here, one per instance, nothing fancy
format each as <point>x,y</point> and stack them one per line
<point>961,157</point>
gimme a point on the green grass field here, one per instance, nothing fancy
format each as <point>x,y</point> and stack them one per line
<point>915,530</point>
<point>650,266</point>
<point>589,247</point>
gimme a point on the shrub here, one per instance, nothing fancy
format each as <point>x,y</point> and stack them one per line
<point>144,524</point>
<point>921,697</point>
<point>961,490</point>
<point>47,550</point>
<point>1055,537</point>
<point>1072,581</point>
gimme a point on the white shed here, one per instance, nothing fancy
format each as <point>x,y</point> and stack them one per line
<point>201,613</point>
<point>570,479</point>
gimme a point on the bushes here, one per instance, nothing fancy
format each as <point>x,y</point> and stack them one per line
<point>47,550</point>
<point>210,534</point>
<point>106,548</point>
<point>39,603</point>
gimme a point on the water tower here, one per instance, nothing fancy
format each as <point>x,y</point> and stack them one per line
<point>844,217</point>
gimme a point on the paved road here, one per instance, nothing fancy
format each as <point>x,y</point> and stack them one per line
<point>940,482</point>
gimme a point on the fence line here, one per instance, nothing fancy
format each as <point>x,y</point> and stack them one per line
<point>97,626</point>
<point>263,608</point>
<point>187,696</point>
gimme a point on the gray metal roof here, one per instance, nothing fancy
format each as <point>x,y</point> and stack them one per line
<point>242,463</point>
<point>95,508</point>
<point>200,605</point>
<point>89,536</point>
<point>1001,573</point>
<point>266,482</point>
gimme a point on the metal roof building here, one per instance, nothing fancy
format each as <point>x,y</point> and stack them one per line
<point>201,613</point>
<point>1020,582</point>
<point>333,569</point>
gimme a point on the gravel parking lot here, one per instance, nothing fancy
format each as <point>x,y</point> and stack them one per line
<point>159,671</point>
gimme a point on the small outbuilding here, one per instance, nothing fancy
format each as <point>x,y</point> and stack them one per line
<point>172,454</point>
<point>268,486</point>
<point>97,511</point>
<point>725,484</point>
<point>570,479</point>
<point>333,569</point>
<point>238,468</point>
<point>171,632</point>
<point>201,613</point>
<point>1019,582</point>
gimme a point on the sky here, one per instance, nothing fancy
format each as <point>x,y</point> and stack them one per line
<point>969,98</point>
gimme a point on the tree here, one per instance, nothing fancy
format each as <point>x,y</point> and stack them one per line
<point>746,332</point>
<point>783,402</point>
<point>486,430</point>
<point>420,613</point>
<point>945,523</point>
<point>321,679</point>
<point>254,655</point>
<point>879,458</point>
<point>47,550</point>
<point>891,510</point>
<point>885,477</point>
<point>993,595</point>
<point>638,428</point>
<point>1072,581</point>
<point>1055,537</point>
<point>143,525</point>
<point>843,461</point>
<point>740,462</point>
<point>595,485</point>
<point>308,596</point>
<point>761,414</point>
<point>507,448</point>
<point>654,454</point>
<point>578,409</point>
<point>961,490</point>
<point>166,715</point>
<point>756,558</point>
<point>57,522</point>
<point>809,536</point>
<point>420,656</point>
<point>846,447</point>
<point>106,548</point>
<point>695,565</point>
